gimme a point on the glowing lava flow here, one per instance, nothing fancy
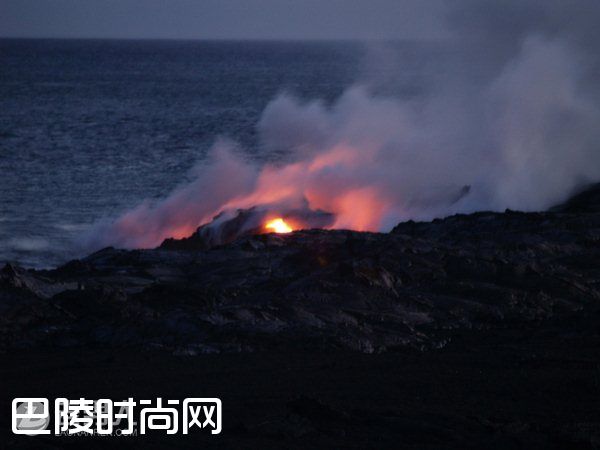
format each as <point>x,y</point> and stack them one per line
<point>278,226</point>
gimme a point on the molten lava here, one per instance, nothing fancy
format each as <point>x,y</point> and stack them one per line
<point>278,226</point>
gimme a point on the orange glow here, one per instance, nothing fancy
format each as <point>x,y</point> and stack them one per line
<point>321,180</point>
<point>278,226</point>
<point>328,181</point>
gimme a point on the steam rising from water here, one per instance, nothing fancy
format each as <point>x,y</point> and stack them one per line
<point>523,138</point>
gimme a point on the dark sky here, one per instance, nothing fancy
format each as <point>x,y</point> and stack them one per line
<point>218,19</point>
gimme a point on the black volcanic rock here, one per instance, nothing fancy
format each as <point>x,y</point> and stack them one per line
<point>586,201</point>
<point>417,286</point>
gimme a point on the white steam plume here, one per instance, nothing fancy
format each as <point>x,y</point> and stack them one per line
<point>523,138</point>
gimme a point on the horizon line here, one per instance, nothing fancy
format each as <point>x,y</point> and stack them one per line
<point>223,39</point>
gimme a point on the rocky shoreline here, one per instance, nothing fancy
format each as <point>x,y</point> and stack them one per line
<point>475,331</point>
<point>369,292</point>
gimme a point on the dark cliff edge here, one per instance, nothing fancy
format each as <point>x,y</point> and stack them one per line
<point>472,331</point>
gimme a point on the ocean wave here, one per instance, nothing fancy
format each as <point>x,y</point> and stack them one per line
<point>72,226</point>
<point>28,243</point>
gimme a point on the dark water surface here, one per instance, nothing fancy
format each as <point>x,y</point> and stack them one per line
<point>90,128</point>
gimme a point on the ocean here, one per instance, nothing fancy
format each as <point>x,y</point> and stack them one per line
<point>91,128</point>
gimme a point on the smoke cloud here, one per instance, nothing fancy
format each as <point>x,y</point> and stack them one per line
<point>514,128</point>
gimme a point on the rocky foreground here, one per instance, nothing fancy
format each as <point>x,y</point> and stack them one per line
<point>417,287</point>
<point>476,331</point>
